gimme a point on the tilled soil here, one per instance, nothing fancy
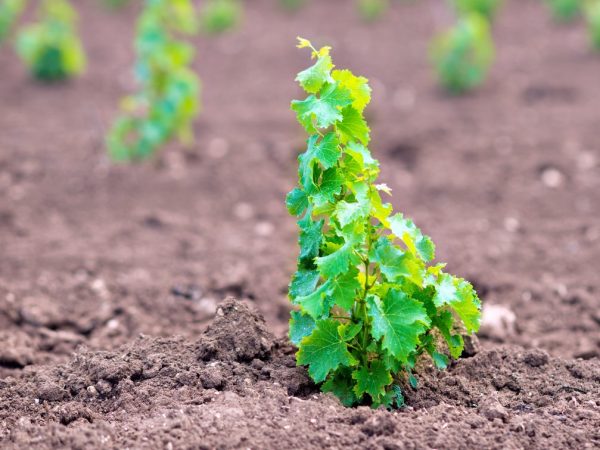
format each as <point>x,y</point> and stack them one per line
<point>506,180</point>
<point>238,387</point>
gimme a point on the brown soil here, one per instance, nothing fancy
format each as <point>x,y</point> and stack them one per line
<point>505,180</point>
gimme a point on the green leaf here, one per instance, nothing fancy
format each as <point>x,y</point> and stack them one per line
<point>461,297</point>
<point>301,325</point>
<point>324,351</point>
<point>315,303</point>
<point>324,151</point>
<point>353,127</point>
<point>396,264</point>
<point>348,331</point>
<point>329,187</point>
<point>341,385</point>
<point>372,380</point>
<point>440,360</point>
<point>310,238</point>
<point>399,321</point>
<point>454,341</point>
<point>303,283</point>
<point>339,261</point>
<point>412,380</point>
<point>417,242</point>
<point>313,78</point>
<point>344,288</point>
<point>325,110</point>
<point>358,87</point>
<point>296,202</point>
<point>348,212</point>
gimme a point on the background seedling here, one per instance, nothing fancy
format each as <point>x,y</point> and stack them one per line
<point>10,11</point>
<point>564,10</point>
<point>462,55</point>
<point>292,5</point>
<point>168,99</point>
<point>370,302</point>
<point>371,10</point>
<point>486,8</point>
<point>592,16</point>
<point>218,16</point>
<point>51,48</point>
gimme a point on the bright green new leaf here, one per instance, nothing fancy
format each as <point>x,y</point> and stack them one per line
<point>358,87</point>
<point>313,78</point>
<point>417,242</point>
<point>396,264</point>
<point>344,289</point>
<point>324,110</point>
<point>353,127</point>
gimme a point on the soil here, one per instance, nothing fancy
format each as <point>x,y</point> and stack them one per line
<point>102,265</point>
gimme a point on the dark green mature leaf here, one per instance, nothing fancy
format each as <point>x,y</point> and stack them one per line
<point>310,239</point>
<point>324,151</point>
<point>372,380</point>
<point>330,186</point>
<point>296,202</point>
<point>342,386</point>
<point>324,351</point>
<point>399,321</point>
<point>301,325</point>
<point>304,283</point>
<point>315,303</point>
<point>339,261</point>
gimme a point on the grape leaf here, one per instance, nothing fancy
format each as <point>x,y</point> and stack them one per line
<point>296,202</point>
<point>358,87</point>
<point>417,242</point>
<point>325,110</point>
<point>395,264</point>
<point>344,288</point>
<point>313,78</point>
<point>372,380</point>
<point>399,321</point>
<point>353,127</point>
<point>324,351</point>
<point>303,283</point>
<point>301,325</point>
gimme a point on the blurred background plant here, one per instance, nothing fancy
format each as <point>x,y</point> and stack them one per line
<point>292,5</point>
<point>371,10</point>
<point>486,8</point>
<point>168,99</point>
<point>10,11</point>
<point>592,17</point>
<point>218,16</point>
<point>564,10</point>
<point>462,55</point>
<point>51,48</point>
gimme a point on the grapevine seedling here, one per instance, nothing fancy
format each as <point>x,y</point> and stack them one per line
<point>564,10</point>
<point>462,55</point>
<point>592,16</point>
<point>371,10</point>
<point>487,8</point>
<point>370,302</point>
<point>218,16</point>
<point>10,11</point>
<point>167,102</point>
<point>292,5</point>
<point>51,48</point>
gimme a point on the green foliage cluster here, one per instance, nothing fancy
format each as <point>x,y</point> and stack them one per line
<point>371,10</point>
<point>463,54</point>
<point>564,10</point>
<point>486,8</point>
<point>592,16</point>
<point>168,99</point>
<point>10,11</point>
<point>218,16</point>
<point>115,4</point>
<point>370,304</point>
<point>51,48</point>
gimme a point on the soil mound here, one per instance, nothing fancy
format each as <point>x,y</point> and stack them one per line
<point>238,387</point>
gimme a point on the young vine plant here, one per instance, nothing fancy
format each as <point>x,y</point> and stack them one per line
<point>564,10</point>
<point>10,11</point>
<point>370,302</point>
<point>168,101</point>
<point>462,55</point>
<point>51,48</point>
<point>487,8</point>
<point>592,16</point>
